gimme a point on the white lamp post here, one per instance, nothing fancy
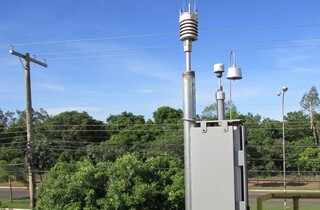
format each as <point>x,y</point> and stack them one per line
<point>284,89</point>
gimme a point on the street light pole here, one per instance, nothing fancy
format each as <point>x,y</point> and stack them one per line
<point>284,89</point>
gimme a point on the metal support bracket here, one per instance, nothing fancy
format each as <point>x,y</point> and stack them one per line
<point>225,125</point>
<point>241,158</point>
<point>203,125</point>
<point>189,120</point>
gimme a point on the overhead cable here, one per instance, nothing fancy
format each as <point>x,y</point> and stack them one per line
<point>162,34</point>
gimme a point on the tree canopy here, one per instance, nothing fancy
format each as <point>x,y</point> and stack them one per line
<point>128,162</point>
<point>310,102</point>
<point>127,183</point>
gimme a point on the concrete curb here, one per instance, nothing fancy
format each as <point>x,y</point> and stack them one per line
<point>14,187</point>
<point>15,209</point>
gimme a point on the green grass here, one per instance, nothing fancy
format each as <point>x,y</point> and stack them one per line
<point>281,188</point>
<point>288,208</point>
<point>14,184</point>
<point>274,183</point>
<point>24,204</point>
<point>19,203</point>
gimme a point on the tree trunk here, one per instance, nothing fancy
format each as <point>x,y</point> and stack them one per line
<point>314,129</point>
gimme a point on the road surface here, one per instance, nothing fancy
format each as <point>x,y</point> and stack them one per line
<point>24,193</point>
<point>303,202</point>
<point>16,193</point>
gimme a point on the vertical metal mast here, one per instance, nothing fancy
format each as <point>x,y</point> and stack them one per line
<point>188,33</point>
<point>29,121</point>
<point>218,69</point>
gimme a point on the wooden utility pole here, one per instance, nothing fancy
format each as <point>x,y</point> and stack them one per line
<point>29,122</point>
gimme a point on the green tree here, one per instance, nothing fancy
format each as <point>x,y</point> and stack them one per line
<point>131,131</point>
<point>274,128</point>
<point>6,119</point>
<point>73,128</point>
<point>210,112</point>
<point>294,150</point>
<point>3,121</point>
<point>13,127</point>
<point>4,172</point>
<point>13,143</point>
<point>167,115</point>
<point>262,150</point>
<point>12,170</point>
<point>116,123</point>
<point>169,139</point>
<point>310,103</point>
<point>310,99</point>
<point>155,184</point>
<point>297,126</point>
<point>309,159</point>
<point>170,142</point>
<point>63,188</point>
<point>127,183</point>
<point>68,131</point>
<point>105,151</point>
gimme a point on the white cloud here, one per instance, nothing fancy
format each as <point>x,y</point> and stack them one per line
<point>6,63</point>
<point>147,91</point>
<point>247,92</point>
<point>50,86</point>
<point>151,67</point>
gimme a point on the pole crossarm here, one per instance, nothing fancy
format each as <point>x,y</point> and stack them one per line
<point>27,57</point>
<point>295,196</point>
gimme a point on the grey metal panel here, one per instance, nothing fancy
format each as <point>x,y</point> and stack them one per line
<point>212,168</point>
<point>245,171</point>
<point>238,165</point>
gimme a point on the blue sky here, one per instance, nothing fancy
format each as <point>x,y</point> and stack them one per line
<point>106,57</point>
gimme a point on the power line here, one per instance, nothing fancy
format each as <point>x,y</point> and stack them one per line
<point>91,39</point>
<point>198,51</point>
<point>107,50</point>
<point>174,52</point>
<point>261,28</point>
<point>164,34</point>
<point>175,46</point>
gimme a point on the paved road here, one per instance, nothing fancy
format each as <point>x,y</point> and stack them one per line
<point>16,193</point>
<point>303,202</point>
<point>24,193</point>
